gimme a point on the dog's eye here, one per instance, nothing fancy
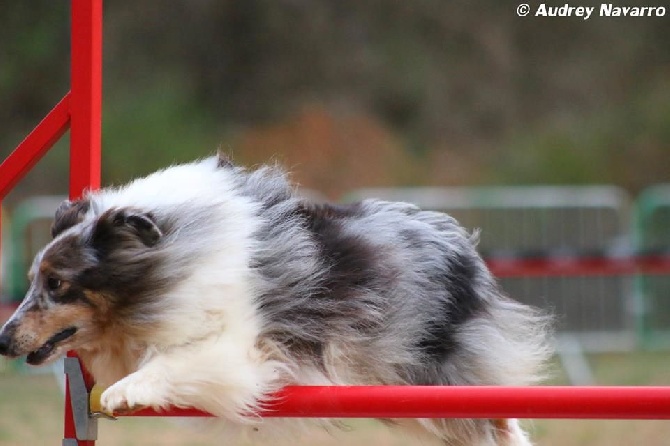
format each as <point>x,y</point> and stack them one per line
<point>54,283</point>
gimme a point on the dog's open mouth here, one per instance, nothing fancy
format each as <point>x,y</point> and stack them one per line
<point>38,356</point>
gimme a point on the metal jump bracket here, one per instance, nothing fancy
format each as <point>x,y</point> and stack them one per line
<point>85,423</point>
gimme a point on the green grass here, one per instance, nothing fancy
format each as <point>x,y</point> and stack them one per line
<point>31,414</point>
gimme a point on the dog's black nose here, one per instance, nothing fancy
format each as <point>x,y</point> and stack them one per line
<point>5,342</point>
<point>6,333</point>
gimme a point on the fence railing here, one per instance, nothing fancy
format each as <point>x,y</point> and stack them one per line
<point>570,248</point>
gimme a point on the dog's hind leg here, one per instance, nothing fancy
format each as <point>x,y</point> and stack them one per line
<point>509,433</point>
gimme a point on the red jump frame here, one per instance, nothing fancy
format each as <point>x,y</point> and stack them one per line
<point>494,402</point>
<point>80,112</point>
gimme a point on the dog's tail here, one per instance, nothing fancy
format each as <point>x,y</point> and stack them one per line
<point>511,346</point>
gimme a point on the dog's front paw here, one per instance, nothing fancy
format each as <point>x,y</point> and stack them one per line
<point>132,393</point>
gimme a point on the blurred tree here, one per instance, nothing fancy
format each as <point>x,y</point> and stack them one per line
<point>463,92</point>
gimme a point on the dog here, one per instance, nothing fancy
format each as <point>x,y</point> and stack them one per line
<point>213,286</point>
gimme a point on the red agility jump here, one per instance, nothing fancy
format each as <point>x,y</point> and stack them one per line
<point>643,403</point>
<point>80,111</point>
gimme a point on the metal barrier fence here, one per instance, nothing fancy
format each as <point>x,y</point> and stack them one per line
<point>28,230</point>
<point>554,224</point>
<point>527,232</point>
<point>652,230</point>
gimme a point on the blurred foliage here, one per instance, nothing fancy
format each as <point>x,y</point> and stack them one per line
<point>354,93</point>
<point>161,127</point>
<point>626,144</point>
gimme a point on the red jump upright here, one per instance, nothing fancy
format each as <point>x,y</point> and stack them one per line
<point>80,112</point>
<point>86,96</point>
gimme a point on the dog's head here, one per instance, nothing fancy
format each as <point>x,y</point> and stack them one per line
<point>92,275</point>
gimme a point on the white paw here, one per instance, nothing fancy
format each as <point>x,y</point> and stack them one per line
<point>134,392</point>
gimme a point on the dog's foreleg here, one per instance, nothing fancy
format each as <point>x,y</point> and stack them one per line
<point>214,375</point>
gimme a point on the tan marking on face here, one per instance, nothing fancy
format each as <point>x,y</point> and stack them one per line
<point>38,325</point>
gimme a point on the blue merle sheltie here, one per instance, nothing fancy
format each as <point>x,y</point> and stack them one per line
<point>213,286</point>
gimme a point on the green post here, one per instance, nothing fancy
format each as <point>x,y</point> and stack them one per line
<point>648,208</point>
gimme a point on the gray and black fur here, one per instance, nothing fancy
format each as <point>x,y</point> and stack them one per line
<point>398,294</point>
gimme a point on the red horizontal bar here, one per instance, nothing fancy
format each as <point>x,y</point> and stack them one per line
<point>34,146</point>
<point>567,402</point>
<point>580,266</point>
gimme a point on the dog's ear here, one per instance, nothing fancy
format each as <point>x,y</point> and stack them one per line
<point>124,227</point>
<point>142,224</point>
<point>68,214</point>
<point>223,160</point>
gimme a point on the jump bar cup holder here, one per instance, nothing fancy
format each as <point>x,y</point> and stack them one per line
<point>85,423</point>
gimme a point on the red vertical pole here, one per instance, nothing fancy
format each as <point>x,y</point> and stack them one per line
<point>85,125</point>
<point>86,101</point>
